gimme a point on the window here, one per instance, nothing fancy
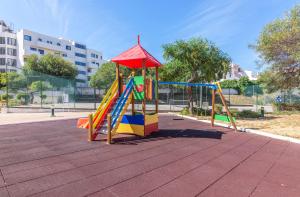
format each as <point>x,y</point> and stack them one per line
<point>93,55</point>
<point>89,78</point>
<point>82,72</point>
<point>12,52</point>
<point>12,41</point>
<point>2,40</point>
<point>80,55</point>
<point>49,42</point>
<point>40,39</point>
<point>89,70</point>
<point>64,55</point>
<point>2,61</point>
<point>41,51</point>
<point>81,46</point>
<point>80,63</point>
<point>2,50</point>
<point>68,47</point>
<point>27,37</point>
<point>32,49</point>
<point>11,62</point>
<point>96,56</point>
<point>58,44</point>
<point>101,57</point>
<point>97,64</point>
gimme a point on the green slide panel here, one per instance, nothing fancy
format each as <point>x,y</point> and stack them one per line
<point>223,118</point>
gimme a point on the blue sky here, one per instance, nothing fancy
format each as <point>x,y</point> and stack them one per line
<point>112,26</point>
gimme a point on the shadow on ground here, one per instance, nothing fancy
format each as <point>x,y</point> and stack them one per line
<point>164,134</point>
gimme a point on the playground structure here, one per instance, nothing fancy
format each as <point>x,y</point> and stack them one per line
<point>110,117</point>
<point>215,89</point>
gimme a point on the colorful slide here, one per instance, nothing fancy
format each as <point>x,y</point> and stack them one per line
<point>110,104</point>
<point>121,106</point>
<point>104,108</point>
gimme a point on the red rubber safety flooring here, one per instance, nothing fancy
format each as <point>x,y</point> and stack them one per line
<point>186,158</point>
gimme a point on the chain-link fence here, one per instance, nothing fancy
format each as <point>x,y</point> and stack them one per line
<point>175,98</point>
<point>41,91</point>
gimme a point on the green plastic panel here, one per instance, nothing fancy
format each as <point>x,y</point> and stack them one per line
<point>223,118</point>
<point>138,82</point>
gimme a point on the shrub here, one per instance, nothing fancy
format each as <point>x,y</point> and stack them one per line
<point>247,114</point>
<point>234,112</point>
<point>218,108</point>
<point>286,107</point>
<point>201,112</point>
<point>3,97</point>
<point>23,97</point>
<point>185,111</point>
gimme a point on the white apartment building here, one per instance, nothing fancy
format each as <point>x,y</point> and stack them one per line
<point>236,72</point>
<point>8,48</point>
<point>27,42</point>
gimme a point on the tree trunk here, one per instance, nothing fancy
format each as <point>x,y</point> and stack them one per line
<point>31,97</point>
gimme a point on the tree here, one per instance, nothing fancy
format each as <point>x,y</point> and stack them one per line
<point>15,80</point>
<point>279,47</point>
<point>105,75</point>
<point>38,86</point>
<point>195,60</point>
<point>57,70</point>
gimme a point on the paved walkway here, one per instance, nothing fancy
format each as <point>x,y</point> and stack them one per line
<point>16,118</point>
<point>186,158</point>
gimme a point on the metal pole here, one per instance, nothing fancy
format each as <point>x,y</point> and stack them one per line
<point>201,97</point>
<point>94,98</point>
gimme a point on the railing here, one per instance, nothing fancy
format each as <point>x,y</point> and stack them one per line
<point>121,102</point>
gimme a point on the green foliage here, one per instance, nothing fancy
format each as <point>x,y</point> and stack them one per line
<point>286,106</point>
<point>201,112</point>
<point>219,108</point>
<point>230,84</point>
<point>247,114</point>
<point>185,111</point>
<point>23,97</point>
<point>243,86</point>
<point>195,60</point>
<point>3,97</point>
<point>40,86</point>
<point>50,64</point>
<point>279,46</point>
<point>15,80</point>
<point>106,74</point>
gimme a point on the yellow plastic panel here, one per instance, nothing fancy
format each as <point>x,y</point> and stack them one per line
<point>131,129</point>
<point>151,119</point>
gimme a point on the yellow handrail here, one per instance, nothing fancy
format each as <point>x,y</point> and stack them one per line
<point>105,105</point>
<point>112,88</point>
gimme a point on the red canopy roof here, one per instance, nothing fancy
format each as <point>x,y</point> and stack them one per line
<point>134,57</point>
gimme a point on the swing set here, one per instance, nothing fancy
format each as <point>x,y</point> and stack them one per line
<point>215,89</point>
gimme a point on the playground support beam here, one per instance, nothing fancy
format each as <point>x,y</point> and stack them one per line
<point>91,129</point>
<point>132,101</point>
<point>227,110</point>
<point>144,88</point>
<point>213,98</point>
<point>156,90</point>
<point>118,78</point>
<point>108,129</point>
